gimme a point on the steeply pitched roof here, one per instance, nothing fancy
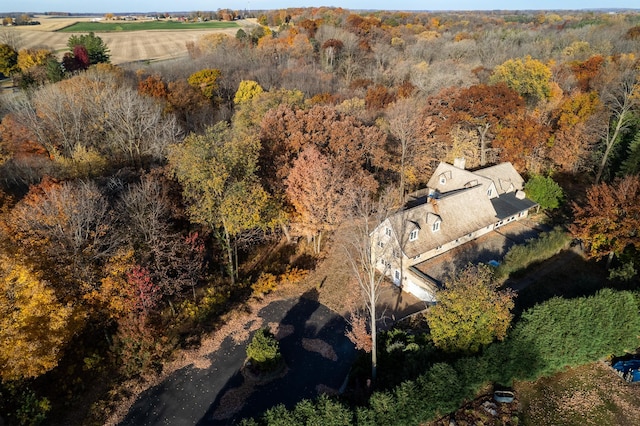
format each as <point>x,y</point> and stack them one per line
<point>460,212</point>
<point>447,177</point>
<point>505,177</point>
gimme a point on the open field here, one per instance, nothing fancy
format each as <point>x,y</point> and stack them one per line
<point>146,25</point>
<point>145,45</point>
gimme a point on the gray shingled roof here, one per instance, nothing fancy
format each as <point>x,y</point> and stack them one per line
<point>461,212</point>
<point>504,175</point>
<point>455,178</point>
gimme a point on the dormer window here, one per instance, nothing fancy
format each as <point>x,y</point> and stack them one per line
<point>413,235</point>
<point>436,226</point>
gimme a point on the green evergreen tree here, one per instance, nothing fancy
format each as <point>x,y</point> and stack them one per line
<point>96,48</point>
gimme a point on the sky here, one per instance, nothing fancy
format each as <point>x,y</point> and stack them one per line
<point>127,6</point>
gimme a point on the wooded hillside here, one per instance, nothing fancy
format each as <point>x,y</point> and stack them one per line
<point>135,199</point>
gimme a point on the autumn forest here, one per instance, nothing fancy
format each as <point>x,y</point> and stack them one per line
<point>139,202</point>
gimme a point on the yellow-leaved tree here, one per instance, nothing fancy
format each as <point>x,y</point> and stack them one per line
<point>529,77</point>
<point>247,90</point>
<point>34,325</point>
<point>471,312</point>
<point>206,81</point>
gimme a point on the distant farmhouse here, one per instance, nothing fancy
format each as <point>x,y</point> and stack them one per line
<point>457,206</point>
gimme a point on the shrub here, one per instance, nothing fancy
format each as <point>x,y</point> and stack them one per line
<point>544,191</point>
<point>264,350</point>
<point>519,257</point>
<point>266,282</point>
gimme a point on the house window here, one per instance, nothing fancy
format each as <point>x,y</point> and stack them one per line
<point>413,235</point>
<point>380,244</point>
<point>443,179</point>
<point>396,253</point>
<point>490,192</point>
<point>438,248</point>
<point>397,275</point>
<point>436,226</point>
<point>388,231</point>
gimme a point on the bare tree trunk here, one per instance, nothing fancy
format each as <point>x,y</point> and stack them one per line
<point>482,132</point>
<point>363,255</point>
<point>610,141</point>
<point>609,259</point>
<point>373,298</point>
<point>227,242</point>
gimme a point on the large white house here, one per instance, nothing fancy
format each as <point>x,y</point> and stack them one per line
<point>458,206</point>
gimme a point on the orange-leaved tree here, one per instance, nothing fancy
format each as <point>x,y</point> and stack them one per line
<point>609,220</point>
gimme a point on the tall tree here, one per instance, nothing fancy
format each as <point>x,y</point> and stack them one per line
<point>97,50</point>
<point>351,145</point>
<point>8,60</point>
<point>523,141</point>
<point>471,311</point>
<point>529,77</point>
<point>574,131</point>
<point>480,110</point>
<point>218,176</point>
<point>609,220</point>
<point>620,93</point>
<point>363,256</point>
<point>320,193</point>
<point>35,326</point>
<point>482,107</point>
<point>205,81</point>
<point>405,127</point>
<point>67,230</point>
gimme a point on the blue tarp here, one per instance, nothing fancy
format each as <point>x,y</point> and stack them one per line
<point>628,369</point>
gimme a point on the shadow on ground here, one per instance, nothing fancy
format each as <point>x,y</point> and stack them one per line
<point>314,347</point>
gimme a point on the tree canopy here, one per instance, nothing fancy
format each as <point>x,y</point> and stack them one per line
<point>607,223</point>
<point>97,50</point>
<point>471,312</point>
<point>544,191</point>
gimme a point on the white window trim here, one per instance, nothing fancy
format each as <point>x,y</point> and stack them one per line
<point>413,235</point>
<point>436,226</point>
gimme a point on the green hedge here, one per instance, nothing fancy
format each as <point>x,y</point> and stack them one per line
<point>519,257</point>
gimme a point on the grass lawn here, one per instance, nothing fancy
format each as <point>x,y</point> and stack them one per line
<point>588,395</point>
<point>82,27</point>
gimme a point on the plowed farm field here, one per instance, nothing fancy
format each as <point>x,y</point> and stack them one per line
<point>149,45</point>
